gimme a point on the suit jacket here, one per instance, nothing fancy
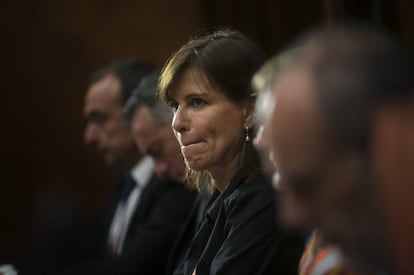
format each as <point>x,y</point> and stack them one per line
<point>184,237</point>
<point>239,234</point>
<point>162,207</point>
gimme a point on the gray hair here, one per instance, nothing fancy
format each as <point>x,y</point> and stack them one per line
<point>266,76</point>
<point>145,94</point>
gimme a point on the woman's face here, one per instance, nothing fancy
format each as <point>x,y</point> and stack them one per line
<point>209,126</point>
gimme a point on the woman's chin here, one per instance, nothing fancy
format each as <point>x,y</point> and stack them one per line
<point>195,166</point>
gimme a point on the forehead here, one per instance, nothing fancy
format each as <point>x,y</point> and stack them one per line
<point>190,80</point>
<point>297,128</point>
<point>104,92</point>
<point>295,88</point>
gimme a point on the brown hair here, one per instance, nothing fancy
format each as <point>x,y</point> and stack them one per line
<point>228,59</point>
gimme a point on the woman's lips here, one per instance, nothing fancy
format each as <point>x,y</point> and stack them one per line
<point>193,148</point>
<point>185,144</point>
<point>189,145</point>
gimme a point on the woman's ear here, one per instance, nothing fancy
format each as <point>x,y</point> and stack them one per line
<point>249,110</point>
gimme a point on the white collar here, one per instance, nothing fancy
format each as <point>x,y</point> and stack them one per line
<point>142,171</point>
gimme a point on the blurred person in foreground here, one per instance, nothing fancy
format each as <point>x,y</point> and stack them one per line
<point>326,99</point>
<point>207,85</point>
<point>319,257</point>
<point>149,120</point>
<point>134,231</point>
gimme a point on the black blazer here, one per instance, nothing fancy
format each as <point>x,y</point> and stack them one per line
<point>239,234</point>
<point>163,206</point>
<point>187,231</point>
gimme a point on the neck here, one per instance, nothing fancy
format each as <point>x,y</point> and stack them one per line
<point>224,173</point>
<point>130,161</point>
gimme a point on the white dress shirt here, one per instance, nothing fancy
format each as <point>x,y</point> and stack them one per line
<point>141,173</point>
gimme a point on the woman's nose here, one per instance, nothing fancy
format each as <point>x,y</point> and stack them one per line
<point>180,120</point>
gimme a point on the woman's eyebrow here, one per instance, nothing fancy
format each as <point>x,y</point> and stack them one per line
<point>196,94</point>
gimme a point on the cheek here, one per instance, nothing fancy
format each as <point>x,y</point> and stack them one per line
<point>135,132</point>
<point>229,132</point>
<point>141,145</point>
<point>294,211</point>
<point>112,131</point>
<point>339,206</point>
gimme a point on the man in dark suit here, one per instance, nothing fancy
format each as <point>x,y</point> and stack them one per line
<point>133,233</point>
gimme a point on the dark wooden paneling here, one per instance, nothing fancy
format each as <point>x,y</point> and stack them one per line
<point>49,49</point>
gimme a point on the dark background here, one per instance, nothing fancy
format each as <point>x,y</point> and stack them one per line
<point>48,50</point>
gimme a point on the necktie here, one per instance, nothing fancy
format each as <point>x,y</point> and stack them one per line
<point>128,185</point>
<point>120,220</point>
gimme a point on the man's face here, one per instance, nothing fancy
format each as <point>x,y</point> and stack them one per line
<point>105,128</point>
<point>291,138</point>
<point>159,142</point>
<point>320,186</point>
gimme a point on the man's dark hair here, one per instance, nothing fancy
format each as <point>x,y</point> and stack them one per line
<point>128,71</point>
<point>356,68</point>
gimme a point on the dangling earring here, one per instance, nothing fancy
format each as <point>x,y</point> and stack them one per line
<point>247,134</point>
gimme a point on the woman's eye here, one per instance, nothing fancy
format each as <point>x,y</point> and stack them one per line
<point>197,102</point>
